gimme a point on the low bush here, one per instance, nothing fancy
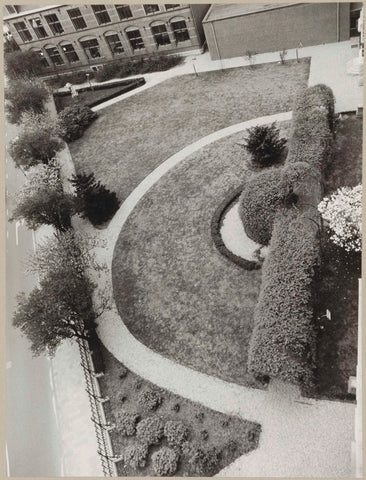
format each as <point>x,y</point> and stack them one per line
<point>283,339</point>
<point>176,433</point>
<point>27,95</point>
<point>135,456</point>
<point>165,461</point>
<point>19,64</point>
<point>265,145</point>
<point>150,430</point>
<point>126,423</point>
<point>109,71</point>
<point>261,197</point>
<point>150,400</point>
<point>203,460</point>
<point>36,143</point>
<point>74,120</point>
<point>75,78</point>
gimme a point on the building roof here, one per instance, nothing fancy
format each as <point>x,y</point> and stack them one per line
<point>27,10</point>
<point>229,10</point>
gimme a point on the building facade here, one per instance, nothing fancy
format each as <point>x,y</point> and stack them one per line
<point>231,30</point>
<point>71,37</point>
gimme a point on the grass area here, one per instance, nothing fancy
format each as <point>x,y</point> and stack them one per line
<point>132,137</point>
<point>338,288</point>
<point>174,290</point>
<point>229,435</point>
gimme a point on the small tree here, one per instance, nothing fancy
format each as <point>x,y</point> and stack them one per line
<point>19,64</point>
<point>265,145</point>
<point>343,213</point>
<point>24,96</point>
<point>97,202</point>
<point>37,142</point>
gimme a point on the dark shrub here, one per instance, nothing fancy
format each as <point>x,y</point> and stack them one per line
<point>200,416</point>
<point>126,423</point>
<point>176,433</point>
<point>19,64</point>
<point>165,461</point>
<point>262,195</point>
<point>282,342</point>
<point>150,400</point>
<point>74,120</point>
<point>75,78</point>
<point>109,71</point>
<point>135,456</point>
<point>24,96</point>
<point>265,145</point>
<point>150,430</point>
<point>122,372</point>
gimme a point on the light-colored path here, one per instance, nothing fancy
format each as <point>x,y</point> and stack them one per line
<point>328,65</point>
<point>300,437</point>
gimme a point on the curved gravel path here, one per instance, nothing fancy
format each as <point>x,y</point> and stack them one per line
<point>300,437</point>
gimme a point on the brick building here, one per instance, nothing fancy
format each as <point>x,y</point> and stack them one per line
<point>70,37</point>
<point>231,30</point>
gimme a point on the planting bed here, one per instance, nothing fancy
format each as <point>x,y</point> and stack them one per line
<point>174,290</point>
<point>230,436</point>
<point>132,137</point>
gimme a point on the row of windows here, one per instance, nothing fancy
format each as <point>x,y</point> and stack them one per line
<point>92,50</point>
<point>78,21</point>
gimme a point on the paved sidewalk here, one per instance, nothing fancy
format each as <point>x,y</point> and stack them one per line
<point>300,437</point>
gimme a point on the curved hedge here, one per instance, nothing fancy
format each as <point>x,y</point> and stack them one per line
<point>283,339</point>
<point>261,196</point>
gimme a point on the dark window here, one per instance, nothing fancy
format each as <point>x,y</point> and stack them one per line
<point>77,18</point>
<point>54,24</point>
<point>11,9</point>
<point>160,34</point>
<point>123,11</point>
<point>135,39</point>
<point>151,8</point>
<point>101,14</point>
<point>38,28</point>
<point>169,6</point>
<point>23,31</point>
<point>54,55</point>
<point>91,48</point>
<point>115,44</point>
<point>70,53</point>
<point>180,31</point>
<point>43,59</point>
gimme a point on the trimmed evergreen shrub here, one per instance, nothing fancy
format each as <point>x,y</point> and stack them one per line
<point>74,120</point>
<point>265,145</point>
<point>176,433</point>
<point>283,339</point>
<point>150,400</point>
<point>261,197</point>
<point>126,423</point>
<point>165,461</point>
<point>150,430</point>
<point>27,95</point>
<point>135,456</point>
<point>97,202</point>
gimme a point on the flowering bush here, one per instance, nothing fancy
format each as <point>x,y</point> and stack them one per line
<point>150,400</point>
<point>135,455</point>
<point>176,433</point>
<point>342,211</point>
<point>165,462</point>
<point>150,430</point>
<point>127,423</point>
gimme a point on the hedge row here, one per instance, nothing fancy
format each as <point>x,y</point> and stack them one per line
<point>283,339</point>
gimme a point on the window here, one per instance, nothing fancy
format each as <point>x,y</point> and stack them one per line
<point>123,11</point>
<point>12,9</point>
<point>160,34</point>
<point>180,30</point>
<point>114,43</point>
<point>38,28</point>
<point>54,24</point>
<point>43,59</point>
<point>70,53</point>
<point>23,31</point>
<point>54,55</point>
<point>77,18</point>
<point>91,48</point>
<point>101,14</point>
<point>169,6</point>
<point>151,8</point>
<point>135,39</point>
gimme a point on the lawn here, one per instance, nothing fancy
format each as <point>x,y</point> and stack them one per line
<point>229,435</point>
<point>338,289</point>
<point>174,290</point>
<point>132,137</point>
